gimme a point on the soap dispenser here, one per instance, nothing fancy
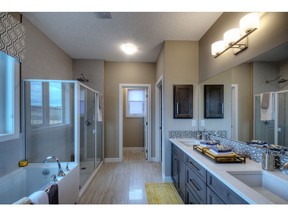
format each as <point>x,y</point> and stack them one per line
<point>268,160</point>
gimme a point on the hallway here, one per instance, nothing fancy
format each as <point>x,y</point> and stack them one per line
<point>124,182</point>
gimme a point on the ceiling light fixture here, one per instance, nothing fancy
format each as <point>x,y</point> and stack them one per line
<point>128,48</point>
<point>236,38</point>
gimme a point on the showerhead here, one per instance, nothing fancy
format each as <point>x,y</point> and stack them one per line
<point>82,79</point>
<point>282,80</point>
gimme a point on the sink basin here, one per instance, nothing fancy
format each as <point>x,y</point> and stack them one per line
<point>268,185</point>
<point>190,142</point>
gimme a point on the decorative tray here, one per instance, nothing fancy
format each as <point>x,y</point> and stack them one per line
<point>229,158</point>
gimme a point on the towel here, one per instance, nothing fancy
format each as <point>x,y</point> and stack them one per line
<point>265,100</point>
<point>217,150</point>
<point>39,197</point>
<point>24,200</point>
<point>267,114</point>
<point>53,196</point>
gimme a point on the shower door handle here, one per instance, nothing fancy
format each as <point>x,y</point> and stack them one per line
<point>88,122</point>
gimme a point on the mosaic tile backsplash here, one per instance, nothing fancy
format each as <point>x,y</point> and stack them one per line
<point>241,148</point>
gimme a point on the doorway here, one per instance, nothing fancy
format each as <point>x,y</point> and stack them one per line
<point>159,120</point>
<point>234,112</point>
<point>135,105</point>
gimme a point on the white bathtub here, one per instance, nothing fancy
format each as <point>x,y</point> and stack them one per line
<point>25,181</point>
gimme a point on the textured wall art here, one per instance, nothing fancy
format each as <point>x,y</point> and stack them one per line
<point>12,36</point>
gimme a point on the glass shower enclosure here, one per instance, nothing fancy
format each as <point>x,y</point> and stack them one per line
<point>63,118</point>
<point>274,131</point>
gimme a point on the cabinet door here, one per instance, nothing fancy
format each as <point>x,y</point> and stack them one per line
<point>183,101</point>
<point>213,101</point>
<point>182,182</point>
<point>175,168</point>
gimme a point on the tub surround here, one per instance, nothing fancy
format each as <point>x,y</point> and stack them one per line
<point>37,177</point>
<point>220,171</point>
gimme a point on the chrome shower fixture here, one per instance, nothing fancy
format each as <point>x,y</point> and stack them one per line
<point>82,78</point>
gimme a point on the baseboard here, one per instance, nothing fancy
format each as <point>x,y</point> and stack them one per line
<point>112,160</point>
<point>167,178</point>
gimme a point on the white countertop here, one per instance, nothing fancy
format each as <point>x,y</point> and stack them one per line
<point>219,170</point>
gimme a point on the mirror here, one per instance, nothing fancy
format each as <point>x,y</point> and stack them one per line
<point>243,87</point>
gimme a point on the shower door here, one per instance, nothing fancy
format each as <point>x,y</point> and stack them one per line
<point>282,118</point>
<point>263,130</point>
<point>87,134</point>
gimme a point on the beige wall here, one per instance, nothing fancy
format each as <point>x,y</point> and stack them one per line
<point>273,31</point>
<point>133,128</point>
<point>242,75</point>
<point>116,73</point>
<point>43,59</point>
<point>180,60</point>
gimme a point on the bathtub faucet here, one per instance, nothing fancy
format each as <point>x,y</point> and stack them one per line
<point>60,170</point>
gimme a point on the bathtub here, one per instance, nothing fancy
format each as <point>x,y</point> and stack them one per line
<point>37,176</point>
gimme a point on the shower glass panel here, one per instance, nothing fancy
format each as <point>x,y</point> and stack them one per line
<point>282,118</point>
<point>63,118</point>
<point>49,120</point>
<point>87,133</point>
<point>263,130</point>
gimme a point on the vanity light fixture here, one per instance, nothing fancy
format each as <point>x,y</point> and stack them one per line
<point>236,38</point>
<point>128,48</point>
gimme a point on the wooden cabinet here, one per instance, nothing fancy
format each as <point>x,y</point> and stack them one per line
<point>198,186</point>
<point>178,170</point>
<point>183,101</point>
<point>224,193</point>
<point>213,101</point>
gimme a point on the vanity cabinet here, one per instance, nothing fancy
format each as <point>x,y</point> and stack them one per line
<point>178,170</point>
<point>224,193</point>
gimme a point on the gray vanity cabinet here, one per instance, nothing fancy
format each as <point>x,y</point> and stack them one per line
<point>178,170</point>
<point>223,192</point>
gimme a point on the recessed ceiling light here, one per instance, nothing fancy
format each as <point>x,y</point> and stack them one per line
<point>129,48</point>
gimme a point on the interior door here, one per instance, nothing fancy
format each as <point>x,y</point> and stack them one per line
<point>146,125</point>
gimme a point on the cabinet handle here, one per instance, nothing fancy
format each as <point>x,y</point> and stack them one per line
<point>177,108</point>
<point>194,166</point>
<point>195,185</point>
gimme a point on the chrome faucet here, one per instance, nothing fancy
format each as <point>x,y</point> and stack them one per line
<point>60,170</point>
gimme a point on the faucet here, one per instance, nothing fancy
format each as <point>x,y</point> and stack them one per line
<point>60,170</point>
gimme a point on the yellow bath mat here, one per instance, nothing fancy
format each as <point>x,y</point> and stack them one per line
<point>162,193</point>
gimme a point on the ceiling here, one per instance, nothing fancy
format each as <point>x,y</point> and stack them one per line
<point>87,35</point>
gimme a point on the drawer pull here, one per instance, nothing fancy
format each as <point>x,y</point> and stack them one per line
<point>195,185</point>
<point>194,166</point>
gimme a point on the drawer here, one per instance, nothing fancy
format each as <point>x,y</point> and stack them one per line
<point>190,198</point>
<point>197,168</point>
<point>224,192</point>
<point>196,185</point>
<point>212,198</point>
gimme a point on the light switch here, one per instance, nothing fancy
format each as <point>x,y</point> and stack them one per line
<point>194,123</point>
<point>202,123</point>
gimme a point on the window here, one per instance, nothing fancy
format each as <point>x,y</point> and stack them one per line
<point>9,97</point>
<point>46,101</point>
<point>55,103</point>
<point>135,103</point>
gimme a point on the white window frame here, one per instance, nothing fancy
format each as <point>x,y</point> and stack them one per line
<point>13,91</point>
<point>128,114</point>
<point>46,107</point>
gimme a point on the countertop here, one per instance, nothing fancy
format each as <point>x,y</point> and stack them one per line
<point>220,171</point>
